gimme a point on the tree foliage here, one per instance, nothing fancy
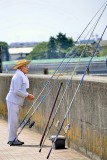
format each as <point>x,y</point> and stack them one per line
<point>82,50</point>
<point>63,42</point>
<point>55,48</point>
<point>59,46</point>
<point>52,48</point>
<point>4,51</point>
<point>39,52</point>
<point>3,44</point>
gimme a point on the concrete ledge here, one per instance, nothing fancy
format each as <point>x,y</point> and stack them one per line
<point>87,116</point>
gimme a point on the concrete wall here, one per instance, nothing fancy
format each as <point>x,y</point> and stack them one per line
<point>87,115</point>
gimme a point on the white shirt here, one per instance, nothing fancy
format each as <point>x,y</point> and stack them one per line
<point>18,87</point>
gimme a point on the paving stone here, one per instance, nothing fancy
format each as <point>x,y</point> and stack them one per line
<point>30,150</point>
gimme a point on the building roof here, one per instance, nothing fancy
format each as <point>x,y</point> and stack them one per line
<point>87,41</point>
<point>103,43</point>
<point>22,44</point>
<point>20,50</point>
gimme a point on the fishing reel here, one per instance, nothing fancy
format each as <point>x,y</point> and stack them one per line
<point>30,123</point>
<point>67,127</point>
<point>57,124</point>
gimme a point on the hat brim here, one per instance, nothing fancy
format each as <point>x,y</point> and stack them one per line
<point>17,66</point>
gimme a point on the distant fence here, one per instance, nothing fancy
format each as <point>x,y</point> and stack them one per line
<point>98,66</point>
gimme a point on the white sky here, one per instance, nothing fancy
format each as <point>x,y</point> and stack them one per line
<point>37,20</point>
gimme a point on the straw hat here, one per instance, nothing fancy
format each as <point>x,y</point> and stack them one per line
<point>21,63</point>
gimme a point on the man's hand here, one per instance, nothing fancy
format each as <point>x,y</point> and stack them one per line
<point>30,97</point>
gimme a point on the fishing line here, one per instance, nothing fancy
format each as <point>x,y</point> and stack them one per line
<point>69,82</point>
<point>80,83</point>
<point>91,20</point>
<point>43,98</point>
<point>66,56</point>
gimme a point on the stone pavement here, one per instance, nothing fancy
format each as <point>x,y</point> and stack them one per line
<point>30,150</point>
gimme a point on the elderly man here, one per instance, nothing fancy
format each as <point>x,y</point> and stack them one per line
<point>15,99</point>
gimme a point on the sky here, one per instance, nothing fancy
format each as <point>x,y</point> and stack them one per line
<point>38,20</point>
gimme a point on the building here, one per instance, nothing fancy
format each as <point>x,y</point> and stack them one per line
<point>19,50</point>
<point>19,53</point>
<point>103,44</point>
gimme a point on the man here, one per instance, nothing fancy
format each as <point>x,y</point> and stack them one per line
<point>15,99</point>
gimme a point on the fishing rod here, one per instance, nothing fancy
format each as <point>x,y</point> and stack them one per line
<point>45,136</point>
<point>69,82</point>
<point>44,96</point>
<point>47,83</point>
<point>91,20</point>
<point>29,119</point>
<point>66,56</point>
<point>80,83</point>
<point>61,71</point>
<point>51,113</point>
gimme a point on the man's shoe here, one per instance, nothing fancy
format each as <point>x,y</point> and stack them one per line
<point>9,142</point>
<point>20,141</point>
<point>15,143</point>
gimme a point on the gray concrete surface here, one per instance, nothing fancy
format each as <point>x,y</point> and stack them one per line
<point>87,115</point>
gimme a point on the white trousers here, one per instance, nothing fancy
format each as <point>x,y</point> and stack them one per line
<point>13,120</point>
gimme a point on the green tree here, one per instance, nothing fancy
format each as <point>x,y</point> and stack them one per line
<point>52,48</point>
<point>63,43</point>
<point>59,46</point>
<point>55,48</point>
<point>82,49</point>
<point>39,52</point>
<point>0,60</point>
<point>4,51</point>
